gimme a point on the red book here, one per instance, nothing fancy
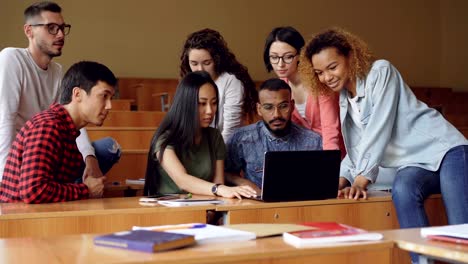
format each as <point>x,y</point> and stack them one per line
<point>328,233</point>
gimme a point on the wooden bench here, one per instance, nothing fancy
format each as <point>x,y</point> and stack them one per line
<point>127,137</point>
<point>122,104</point>
<point>132,165</point>
<point>133,118</point>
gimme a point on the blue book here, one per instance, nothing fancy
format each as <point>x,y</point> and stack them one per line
<point>144,240</point>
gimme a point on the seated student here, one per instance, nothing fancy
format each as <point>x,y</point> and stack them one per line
<point>384,124</point>
<point>275,132</point>
<point>206,50</point>
<point>44,160</point>
<point>186,154</point>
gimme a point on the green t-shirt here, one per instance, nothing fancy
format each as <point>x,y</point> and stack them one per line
<point>196,160</point>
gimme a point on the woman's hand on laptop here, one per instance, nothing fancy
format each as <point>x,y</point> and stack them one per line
<point>236,191</point>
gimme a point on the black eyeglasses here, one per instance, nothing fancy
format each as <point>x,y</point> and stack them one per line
<point>288,58</point>
<point>53,28</point>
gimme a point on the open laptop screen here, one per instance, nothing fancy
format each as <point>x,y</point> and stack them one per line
<point>300,175</point>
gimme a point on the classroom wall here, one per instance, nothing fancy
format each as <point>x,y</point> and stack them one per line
<point>425,39</point>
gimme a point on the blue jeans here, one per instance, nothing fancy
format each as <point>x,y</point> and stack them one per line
<point>413,185</point>
<point>107,152</point>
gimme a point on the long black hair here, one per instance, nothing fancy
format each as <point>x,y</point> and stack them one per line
<point>179,127</point>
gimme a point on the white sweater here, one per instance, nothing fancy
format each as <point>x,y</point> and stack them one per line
<point>25,90</point>
<point>231,98</point>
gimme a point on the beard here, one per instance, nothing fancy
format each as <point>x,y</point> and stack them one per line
<point>49,51</point>
<point>281,132</point>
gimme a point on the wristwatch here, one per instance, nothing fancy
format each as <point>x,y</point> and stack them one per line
<point>214,189</point>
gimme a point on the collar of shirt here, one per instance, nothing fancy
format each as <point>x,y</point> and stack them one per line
<point>272,138</point>
<point>65,116</point>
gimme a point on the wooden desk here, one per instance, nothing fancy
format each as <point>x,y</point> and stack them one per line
<point>80,249</point>
<point>411,240</point>
<point>375,213</point>
<point>90,216</point>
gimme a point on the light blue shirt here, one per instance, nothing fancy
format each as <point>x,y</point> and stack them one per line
<point>397,131</point>
<point>247,147</point>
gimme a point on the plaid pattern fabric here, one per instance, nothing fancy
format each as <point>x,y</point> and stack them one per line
<point>44,161</point>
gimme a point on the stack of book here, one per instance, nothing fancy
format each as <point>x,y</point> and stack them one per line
<point>328,234</point>
<point>451,233</point>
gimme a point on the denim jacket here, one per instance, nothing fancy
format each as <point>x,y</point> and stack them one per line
<point>247,146</point>
<point>397,131</point>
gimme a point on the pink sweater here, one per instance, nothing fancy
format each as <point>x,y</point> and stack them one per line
<point>323,117</point>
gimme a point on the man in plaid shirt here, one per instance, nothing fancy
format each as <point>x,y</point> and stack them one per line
<point>44,160</point>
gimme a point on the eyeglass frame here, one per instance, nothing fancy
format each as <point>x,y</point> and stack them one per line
<point>283,108</point>
<point>59,27</point>
<point>282,58</point>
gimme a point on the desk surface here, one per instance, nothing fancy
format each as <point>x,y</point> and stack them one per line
<point>80,249</point>
<point>245,204</point>
<point>411,240</point>
<point>103,206</point>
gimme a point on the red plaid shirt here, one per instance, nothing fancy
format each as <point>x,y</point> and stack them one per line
<point>44,161</point>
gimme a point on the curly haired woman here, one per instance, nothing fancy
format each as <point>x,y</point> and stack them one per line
<point>384,124</point>
<point>206,50</point>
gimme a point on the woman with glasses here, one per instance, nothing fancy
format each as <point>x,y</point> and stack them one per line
<point>206,50</point>
<point>383,123</point>
<point>186,154</point>
<point>318,113</point>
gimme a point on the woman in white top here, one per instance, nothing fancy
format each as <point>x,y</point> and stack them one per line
<point>206,50</point>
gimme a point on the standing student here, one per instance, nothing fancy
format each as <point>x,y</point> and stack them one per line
<point>206,50</point>
<point>30,82</point>
<point>383,123</point>
<point>186,154</point>
<point>44,160</point>
<point>319,113</point>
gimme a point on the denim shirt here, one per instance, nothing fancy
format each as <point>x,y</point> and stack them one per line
<point>397,131</point>
<point>247,146</point>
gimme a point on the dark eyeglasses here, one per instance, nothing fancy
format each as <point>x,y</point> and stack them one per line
<point>53,28</point>
<point>288,58</point>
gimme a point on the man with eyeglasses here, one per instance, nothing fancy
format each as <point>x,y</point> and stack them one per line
<point>30,81</point>
<point>275,132</point>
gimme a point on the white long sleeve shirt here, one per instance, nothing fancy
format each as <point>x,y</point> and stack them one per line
<point>25,90</point>
<point>231,98</point>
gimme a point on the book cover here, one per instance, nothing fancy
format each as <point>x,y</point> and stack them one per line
<point>457,231</point>
<point>144,240</point>
<point>204,233</point>
<point>328,233</point>
<point>450,239</point>
<point>190,202</point>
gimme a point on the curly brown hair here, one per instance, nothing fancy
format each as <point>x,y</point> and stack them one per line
<point>224,61</point>
<point>359,56</point>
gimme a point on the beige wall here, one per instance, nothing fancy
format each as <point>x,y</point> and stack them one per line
<point>426,39</point>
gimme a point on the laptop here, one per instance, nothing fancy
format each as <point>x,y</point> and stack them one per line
<point>300,175</point>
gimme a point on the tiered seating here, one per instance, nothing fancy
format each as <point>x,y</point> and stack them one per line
<point>450,103</point>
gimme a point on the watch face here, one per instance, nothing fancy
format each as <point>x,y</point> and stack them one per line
<point>214,189</point>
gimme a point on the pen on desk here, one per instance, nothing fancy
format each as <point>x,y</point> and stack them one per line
<point>182,226</point>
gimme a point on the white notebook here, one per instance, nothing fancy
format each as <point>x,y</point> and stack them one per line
<point>204,233</point>
<point>460,231</point>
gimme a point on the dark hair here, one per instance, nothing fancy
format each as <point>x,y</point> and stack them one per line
<point>85,74</point>
<point>180,125</point>
<point>37,8</point>
<point>224,61</point>
<point>284,34</point>
<point>358,54</point>
<point>274,84</point>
